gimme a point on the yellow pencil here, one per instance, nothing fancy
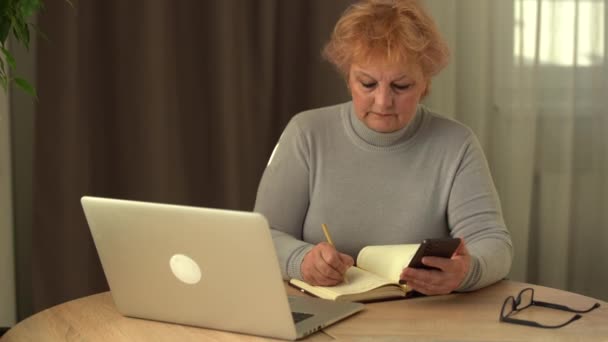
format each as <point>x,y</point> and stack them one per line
<point>327,236</point>
<point>331,242</point>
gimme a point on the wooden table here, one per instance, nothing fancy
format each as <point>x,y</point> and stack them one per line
<point>456,317</point>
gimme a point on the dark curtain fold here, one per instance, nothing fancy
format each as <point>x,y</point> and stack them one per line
<point>168,101</point>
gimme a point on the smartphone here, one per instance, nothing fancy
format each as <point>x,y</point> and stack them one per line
<point>443,247</point>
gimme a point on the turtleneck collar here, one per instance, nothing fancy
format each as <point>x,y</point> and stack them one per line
<point>383,140</point>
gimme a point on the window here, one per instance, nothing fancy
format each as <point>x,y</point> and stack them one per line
<point>571,31</point>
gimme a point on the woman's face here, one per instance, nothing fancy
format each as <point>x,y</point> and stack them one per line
<point>384,95</point>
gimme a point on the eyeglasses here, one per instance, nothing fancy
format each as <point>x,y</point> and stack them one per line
<point>525,299</point>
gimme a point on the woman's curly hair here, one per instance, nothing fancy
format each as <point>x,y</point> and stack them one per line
<point>395,31</point>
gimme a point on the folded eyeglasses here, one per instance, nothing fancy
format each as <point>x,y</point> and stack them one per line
<point>525,299</point>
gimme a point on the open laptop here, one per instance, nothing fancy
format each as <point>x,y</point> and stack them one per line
<point>202,267</point>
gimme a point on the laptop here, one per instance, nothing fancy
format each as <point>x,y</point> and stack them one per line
<point>202,267</point>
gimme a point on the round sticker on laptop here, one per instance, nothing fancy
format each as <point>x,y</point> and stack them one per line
<point>185,269</point>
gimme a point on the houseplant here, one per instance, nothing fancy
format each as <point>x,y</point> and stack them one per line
<point>14,16</point>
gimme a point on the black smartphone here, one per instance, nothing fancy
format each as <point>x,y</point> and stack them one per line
<point>443,247</point>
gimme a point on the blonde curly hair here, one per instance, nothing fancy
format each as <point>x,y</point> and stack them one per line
<point>394,31</point>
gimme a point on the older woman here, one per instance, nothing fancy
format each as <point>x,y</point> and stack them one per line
<point>383,169</point>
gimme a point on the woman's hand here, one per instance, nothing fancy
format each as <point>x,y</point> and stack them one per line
<point>325,266</point>
<point>450,275</point>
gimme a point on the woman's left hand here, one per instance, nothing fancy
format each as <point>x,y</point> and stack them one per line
<point>450,275</point>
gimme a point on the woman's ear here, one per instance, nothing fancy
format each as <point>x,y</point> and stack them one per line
<point>346,76</point>
<point>347,80</point>
<point>427,89</point>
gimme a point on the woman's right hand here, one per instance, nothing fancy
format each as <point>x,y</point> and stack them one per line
<point>325,266</point>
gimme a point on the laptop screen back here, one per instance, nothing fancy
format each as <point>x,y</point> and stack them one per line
<point>195,266</point>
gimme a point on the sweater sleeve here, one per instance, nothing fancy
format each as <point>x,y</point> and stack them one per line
<point>474,214</point>
<point>283,197</point>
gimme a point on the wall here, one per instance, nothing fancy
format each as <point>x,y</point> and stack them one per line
<point>7,255</point>
<point>22,109</point>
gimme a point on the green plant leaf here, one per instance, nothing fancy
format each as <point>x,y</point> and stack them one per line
<point>9,58</point>
<point>22,33</point>
<point>28,7</point>
<point>26,34</point>
<point>4,82</point>
<point>5,27</point>
<point>4,4</point>
<point>25,86</point>
<point>3,75</point>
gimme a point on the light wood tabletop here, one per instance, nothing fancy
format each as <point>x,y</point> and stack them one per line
<point>456,317</point>
<point>475,317</point>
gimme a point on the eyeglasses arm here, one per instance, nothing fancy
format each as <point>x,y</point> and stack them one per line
<point>563,307</point>
<point>538,325</point>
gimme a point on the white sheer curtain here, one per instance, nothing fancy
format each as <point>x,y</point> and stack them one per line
<point>530,77</point>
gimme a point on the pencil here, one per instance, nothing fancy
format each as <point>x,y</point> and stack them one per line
<point>331,242</point>
<point>327,236</point>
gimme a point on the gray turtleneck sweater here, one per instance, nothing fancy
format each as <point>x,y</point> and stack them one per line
<point>427,180</point>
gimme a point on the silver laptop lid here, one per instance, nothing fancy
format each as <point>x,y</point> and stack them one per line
<point>190,265</point>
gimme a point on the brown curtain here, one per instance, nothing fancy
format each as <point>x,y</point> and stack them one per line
<point>176,101</point>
